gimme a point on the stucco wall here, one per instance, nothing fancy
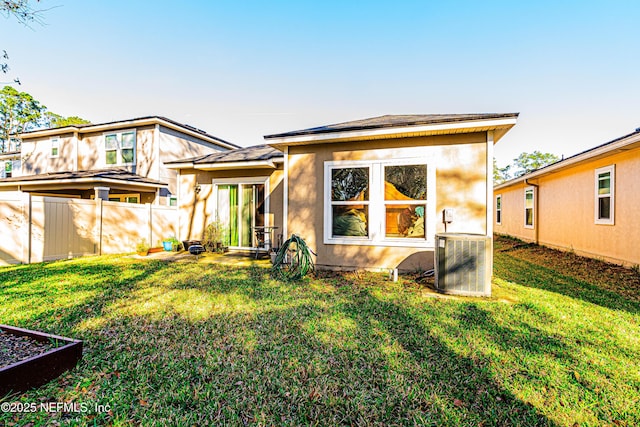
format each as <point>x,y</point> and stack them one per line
<point>174,145</point>
<point>36,155</point>
<point>566,210</point>
<point>197,209</point>
<point>460,181</point>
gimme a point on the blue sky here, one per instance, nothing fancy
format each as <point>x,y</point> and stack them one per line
<point>244,69</point>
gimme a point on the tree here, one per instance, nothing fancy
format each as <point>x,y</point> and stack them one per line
<point>25,14</point>
<point>527,162</point>
<point>21,10</point>
<point>58,121</point>
<point>19,112</point>
<point>500,175</point>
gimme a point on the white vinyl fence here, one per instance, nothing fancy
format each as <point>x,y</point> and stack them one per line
<point>39,228</point>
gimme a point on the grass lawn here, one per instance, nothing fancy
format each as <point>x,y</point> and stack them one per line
<point>185,343</point>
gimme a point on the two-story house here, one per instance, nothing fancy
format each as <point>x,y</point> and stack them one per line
<point>122,161</point>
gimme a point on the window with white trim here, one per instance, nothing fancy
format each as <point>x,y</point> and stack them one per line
<point>173,200</point>
<point>55,147</point>
<point>120,148</point>
<point>529,203</point>
<point>605,195</point>
<point>499,209</point>
<point>378,202</point>
<point>7,169</point>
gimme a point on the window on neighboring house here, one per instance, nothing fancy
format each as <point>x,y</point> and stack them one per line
<point>120,148</point>
<point>604,198</point>
<point>7,170</point>
<point>499,209</point>
<point>124,198</point>
<point>528,207</point>
<point>376,202</point>
<point>55,147</point>
<point>173,201</point>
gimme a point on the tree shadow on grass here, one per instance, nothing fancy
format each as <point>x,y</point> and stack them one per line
<point>527,273</point>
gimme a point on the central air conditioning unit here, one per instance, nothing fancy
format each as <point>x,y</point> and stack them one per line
<point>463,264</point>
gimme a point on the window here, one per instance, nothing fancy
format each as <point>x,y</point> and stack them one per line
<point>499,209</point>
<point>55,147</point>
<point>124,198</point>
<point>604,197</point>
<point>350,202</point>
<point>378,202</point>
<point>405,197</point>
<point>528,207</point>
<point>120,148</point>
<point>173,201</point>
<point>7,169</point>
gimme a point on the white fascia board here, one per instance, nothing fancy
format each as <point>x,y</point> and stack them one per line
<point>598,152</point>
<point>79,181</point>
<point>389,131</point>
<point>236,165</point>
<point>185,165</point>
<point>122,125</point>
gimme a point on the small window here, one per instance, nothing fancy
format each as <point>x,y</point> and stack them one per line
<point>499,209</point>
<point>55,147</point>
<point>8,169</point>
<point>604,195</point>
<point>173,201</point>
<point>111,149</point>
<point>529,203</point>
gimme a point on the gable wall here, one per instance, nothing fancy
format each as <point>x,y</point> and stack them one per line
<point>566,210</point>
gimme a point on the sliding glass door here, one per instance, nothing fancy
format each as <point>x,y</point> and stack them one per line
<point>240,208</point>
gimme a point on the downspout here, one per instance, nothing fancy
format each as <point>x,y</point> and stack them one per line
<point>536,218</point>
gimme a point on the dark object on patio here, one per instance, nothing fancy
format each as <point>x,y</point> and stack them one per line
<point>187,243</point>
<point>196,249</point>
<point>40,368</point>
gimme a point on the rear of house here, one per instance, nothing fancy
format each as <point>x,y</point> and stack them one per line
<point>370,194</point>
<point>587,203</point>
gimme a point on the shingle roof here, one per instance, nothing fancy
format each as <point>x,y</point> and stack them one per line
<point>161,118</point>
<point>247,154</point>
<point>395,121</point>
<point>112,174</point>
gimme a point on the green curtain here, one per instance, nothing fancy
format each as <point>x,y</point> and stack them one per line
<point>247,215</point>
<point>233,217</point>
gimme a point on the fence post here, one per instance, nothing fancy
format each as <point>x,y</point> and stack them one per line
<point>98,228</point>
<point>149,223</point>
<point>26,235</point>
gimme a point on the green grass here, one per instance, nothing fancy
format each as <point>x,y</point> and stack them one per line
<point>207,344</point>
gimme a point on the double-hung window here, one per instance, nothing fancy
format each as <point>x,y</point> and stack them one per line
<point>605,193</point>
<point>499,209</point>
<point>529,202</point>
<point>7,169</point>
<point>55,147</point>
<point>378,202</point>
<point>120,148</point>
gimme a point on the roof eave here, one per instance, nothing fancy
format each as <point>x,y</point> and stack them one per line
<point>57,182</point>
<point>502,125</point>
<point>126,124</point>
<point>624,144</point>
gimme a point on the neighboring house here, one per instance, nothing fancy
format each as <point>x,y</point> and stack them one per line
<point>588,203</point>
<point>123,161</point>
<point>366,194</point>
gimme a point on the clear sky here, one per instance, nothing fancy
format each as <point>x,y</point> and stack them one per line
<point>244,69</point>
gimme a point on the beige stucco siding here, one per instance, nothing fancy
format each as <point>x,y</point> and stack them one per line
<point>37,159</point>
<point>460,183</point>
<point>566,210</point>
<point>174,145</point>
<point>197,209</point>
